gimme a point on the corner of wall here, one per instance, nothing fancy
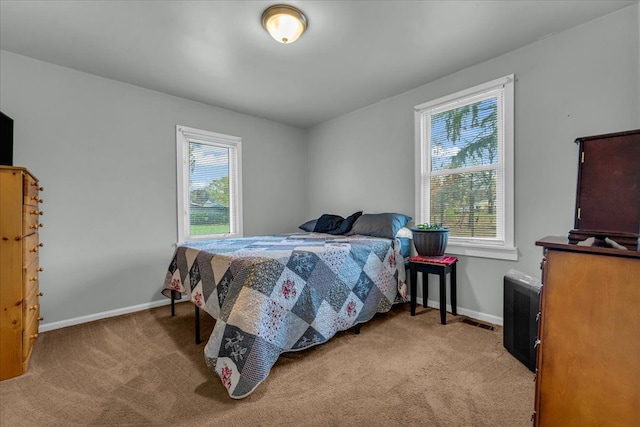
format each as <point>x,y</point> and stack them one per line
<point>637,6</point>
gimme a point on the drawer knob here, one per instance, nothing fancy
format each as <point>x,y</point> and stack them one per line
<point>33,279</point>
<point>34,336</point>
<point>40,319</point>
<point>41,269</point>
<point>37,199</point>
<point>34,307</point>
<point>40,294</point>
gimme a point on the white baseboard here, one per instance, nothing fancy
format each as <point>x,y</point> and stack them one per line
<point>44,327</point>
<point>495,320</point>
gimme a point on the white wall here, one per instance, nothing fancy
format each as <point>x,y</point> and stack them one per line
<point>581,82</point>
<point>105,154</point>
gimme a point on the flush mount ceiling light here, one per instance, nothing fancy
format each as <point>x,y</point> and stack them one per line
<point>284,23</point>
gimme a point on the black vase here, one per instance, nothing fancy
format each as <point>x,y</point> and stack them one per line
<point>430,243</point>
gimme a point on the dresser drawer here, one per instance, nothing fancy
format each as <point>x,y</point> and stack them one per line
<point>30,224</point>
<point>31,191</point>
<point>30,249</point>
<point>30,311</point>
<point>31,278</point>
<point>31,215</point>
<point>30,333</point>
<point>31,306</point>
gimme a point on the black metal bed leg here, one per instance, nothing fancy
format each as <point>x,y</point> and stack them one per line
<point>197,324</point>
<point>357,329</point>
<point>174,296</point>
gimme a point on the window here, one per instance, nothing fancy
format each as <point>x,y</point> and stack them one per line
<point>464,168</point>
<point>209,184</point>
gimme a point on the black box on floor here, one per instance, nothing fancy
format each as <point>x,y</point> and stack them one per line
<point>521,308</point>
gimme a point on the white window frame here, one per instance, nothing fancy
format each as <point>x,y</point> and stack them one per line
<point>184,135</point>
<point>503,247</point>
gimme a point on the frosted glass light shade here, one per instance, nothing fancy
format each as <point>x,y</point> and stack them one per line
<point>284,23</point>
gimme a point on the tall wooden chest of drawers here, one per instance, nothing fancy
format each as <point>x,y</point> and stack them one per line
<point>19,268</point>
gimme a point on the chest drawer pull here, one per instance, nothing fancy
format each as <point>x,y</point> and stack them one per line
<point>40,294</point>
<point>33,336</point>
<point>36,248</point>
<point>34,307</point>
<point>40,319</point>
<point>33,279</point>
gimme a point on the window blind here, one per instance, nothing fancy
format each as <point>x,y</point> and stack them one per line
<point>209,183</point>
<point>463,143</point>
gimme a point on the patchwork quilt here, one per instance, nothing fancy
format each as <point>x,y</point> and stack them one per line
<point>274,294</point>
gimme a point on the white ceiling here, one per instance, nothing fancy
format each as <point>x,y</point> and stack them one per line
<point>353,54</point>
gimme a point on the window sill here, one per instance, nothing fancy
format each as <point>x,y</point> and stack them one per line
<point>495,252</point>
<point>211,237</point>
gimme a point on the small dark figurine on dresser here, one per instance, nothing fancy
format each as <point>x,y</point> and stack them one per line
<point>599,242</point>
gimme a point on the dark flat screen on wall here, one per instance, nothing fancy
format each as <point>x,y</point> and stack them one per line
<point>6,140</point>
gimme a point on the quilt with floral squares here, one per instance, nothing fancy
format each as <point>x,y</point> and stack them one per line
<point>274,294</point>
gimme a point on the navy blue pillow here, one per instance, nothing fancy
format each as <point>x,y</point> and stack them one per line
<point>335,224</point>
<point>327,222</point>
<point>346,224</point>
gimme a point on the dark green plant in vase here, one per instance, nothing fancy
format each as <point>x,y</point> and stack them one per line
<point>430,240</point>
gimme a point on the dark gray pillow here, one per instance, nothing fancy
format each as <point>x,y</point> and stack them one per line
<point>380,225</point>
<point>309,225</point>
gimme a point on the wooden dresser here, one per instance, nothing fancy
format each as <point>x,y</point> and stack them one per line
<point>19,268</point>
<point>589,336</point>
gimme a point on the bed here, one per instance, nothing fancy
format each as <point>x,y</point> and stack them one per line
<point>276,294</point>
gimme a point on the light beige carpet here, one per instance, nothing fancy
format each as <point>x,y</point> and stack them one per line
<point>144,369</point>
